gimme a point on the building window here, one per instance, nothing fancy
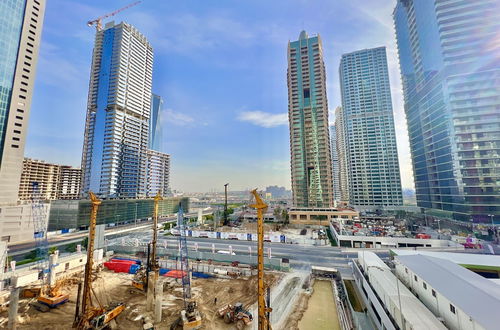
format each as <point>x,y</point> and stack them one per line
<point>425,286</point>
<point>406,270</point>
<point>415,277</point>
<point>452,308</point>
<point>433,293</point>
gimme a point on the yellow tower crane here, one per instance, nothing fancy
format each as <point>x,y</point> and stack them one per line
<point>260,206</point>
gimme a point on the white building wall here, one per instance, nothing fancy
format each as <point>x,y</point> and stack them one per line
<point>439,305</point>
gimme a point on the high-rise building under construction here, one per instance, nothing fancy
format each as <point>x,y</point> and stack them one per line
<point>114,159</point>
<point>311,163</point>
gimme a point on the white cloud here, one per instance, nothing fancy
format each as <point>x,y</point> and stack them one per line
<point>177,118</point>
<point>264,119</point>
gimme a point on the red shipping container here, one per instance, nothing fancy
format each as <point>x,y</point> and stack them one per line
<point>175,274</point>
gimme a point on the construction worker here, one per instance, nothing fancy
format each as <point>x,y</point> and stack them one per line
<point>215,301</point>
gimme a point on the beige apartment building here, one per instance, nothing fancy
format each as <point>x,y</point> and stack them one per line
<point>54,181</point>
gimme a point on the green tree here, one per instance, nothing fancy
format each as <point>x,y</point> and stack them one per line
<point>32,254</point>
<point>70,248</point>
<point>85,242</point>
<point>52,249</point>
<point>285,217</point>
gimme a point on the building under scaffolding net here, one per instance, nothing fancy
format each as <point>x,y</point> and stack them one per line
<point>65,214</point>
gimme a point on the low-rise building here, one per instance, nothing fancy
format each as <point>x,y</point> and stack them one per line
<point>460,297</point>
<point>389,303</point>
<point>65,214</point>
<point>387,242</point>
<point>319,216</point>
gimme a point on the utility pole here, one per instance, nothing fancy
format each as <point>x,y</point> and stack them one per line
<point>225,205</point>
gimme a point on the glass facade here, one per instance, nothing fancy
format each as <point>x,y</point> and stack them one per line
<point>114,159</point>
<point>450,68</point>
<point>311,164</point>
<point>370,137</point>
<point>66,214</point>
<point>155,127</point>
<point>11,23</point>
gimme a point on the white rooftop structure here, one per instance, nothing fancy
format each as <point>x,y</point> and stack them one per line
<point>396,298</point>
<point>476,296</point>
<point>458,258</point>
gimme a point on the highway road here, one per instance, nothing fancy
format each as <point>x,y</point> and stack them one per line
<point>78,236</point>
<point>301,257</point>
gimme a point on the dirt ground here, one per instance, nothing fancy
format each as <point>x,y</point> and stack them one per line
<point>115,287</point>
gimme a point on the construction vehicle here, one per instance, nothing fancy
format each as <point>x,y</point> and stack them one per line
<point>48,295</point>
<point>140,280</point>
<point>263,308</point>
<point>190,317</point>
<point>98,21</point>
<point>236,314</point>
<point>87,315</point>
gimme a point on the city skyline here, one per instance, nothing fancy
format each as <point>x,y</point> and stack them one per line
<point>208,123</point>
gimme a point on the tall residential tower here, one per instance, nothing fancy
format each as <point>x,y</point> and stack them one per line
<point>335,163</point>
<point>450,68</point>
<point>370,137</point>
<point>311,164</point>
<point>342,156</point>
<point>114,158</point>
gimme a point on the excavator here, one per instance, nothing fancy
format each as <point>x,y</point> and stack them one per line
<point>87,315</point>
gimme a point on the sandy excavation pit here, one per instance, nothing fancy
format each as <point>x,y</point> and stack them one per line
<point>114,287</point>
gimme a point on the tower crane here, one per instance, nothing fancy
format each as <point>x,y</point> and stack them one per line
<point>264,310</point>
<point>98,21</point>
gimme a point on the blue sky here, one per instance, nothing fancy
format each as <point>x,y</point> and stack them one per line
<point>220,66</point>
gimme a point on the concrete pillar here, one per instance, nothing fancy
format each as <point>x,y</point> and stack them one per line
<point>13,305</point>
<point>158,300</point>
<point>150,292</point>
<point>53,259</point>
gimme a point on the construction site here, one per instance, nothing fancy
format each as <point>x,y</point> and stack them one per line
<point>98,290</point>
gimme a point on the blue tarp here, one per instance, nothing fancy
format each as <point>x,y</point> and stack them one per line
<point>134,268</point>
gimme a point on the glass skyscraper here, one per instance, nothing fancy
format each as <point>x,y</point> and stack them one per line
<point>370,138</point>
<point>155,127</point>
<point>450,68</point>
<point>311,163</point>
<point>114,159</point>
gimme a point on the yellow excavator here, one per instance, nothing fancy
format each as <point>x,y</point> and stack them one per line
<point>87,315</point>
